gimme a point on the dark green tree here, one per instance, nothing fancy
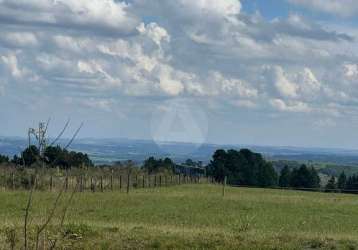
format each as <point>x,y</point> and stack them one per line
<point>285,175</point>
<point>30,155</point>
<point>152,165</point>
<point>242,168</point>
<point>267,176</point>
<point>314,179</point>
<point>331,185</point>
<point>352,183</point>
<point>304,177</point>
<point>4,159</point>
<point>342,179</point>
<point>217,167</point>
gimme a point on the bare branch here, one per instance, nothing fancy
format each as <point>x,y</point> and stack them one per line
<point>61,133</point>
<point>74,136</point>
<point>27,213</point>
<point>69,202</point>
<point>50,216</point>
<point>47,123</point>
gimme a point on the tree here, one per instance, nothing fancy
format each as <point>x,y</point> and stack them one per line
<point>285,175</point>
<point>152,165</point>
<point>242,167</point>
<point>331,185</point>
<point>352,183</point>
<point>217,166</point>
<point>4,159</point>
<point>56,156</point>
<point>190,162</point>
<point>304,177</point>
<point>342,179</point>
<point>314,180</point>
<point>267,176</point>
<point>30,155</point>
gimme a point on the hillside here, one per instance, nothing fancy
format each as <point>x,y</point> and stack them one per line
<point>197,217</point>
<point>109,150</point>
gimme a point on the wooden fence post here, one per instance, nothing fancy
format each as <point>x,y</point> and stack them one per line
<point>160,181</point>
<point>120,182</point>
<point>143,181</point>
<point>224,185</point>
<point>155,181</point>
<point>13,180</point>
<point>51,182</point>
<point>101,183</point>
<point>84,183</point>
<point>128,181</point>
<point>66,183</point>
<point>93,186</point>
<point>112,180</point>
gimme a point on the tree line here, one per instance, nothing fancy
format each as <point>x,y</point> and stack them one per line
<point>343,182</point>
<point>242,167</point>
<point>189,167</point>
<point>247,168</point>
<point>53,156</point>
<point>302,177</point>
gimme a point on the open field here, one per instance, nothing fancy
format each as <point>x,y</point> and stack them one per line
<point>195,217</point>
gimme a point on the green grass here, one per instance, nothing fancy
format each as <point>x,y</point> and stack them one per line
<point>196,217</point>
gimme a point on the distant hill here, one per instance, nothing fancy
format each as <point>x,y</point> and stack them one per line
<point>110,150</point>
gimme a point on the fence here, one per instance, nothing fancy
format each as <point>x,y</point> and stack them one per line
<point>319,189</point>
<point>99,181</point>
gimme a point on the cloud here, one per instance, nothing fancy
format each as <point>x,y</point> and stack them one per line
<point>98,16</point>
<point>225,8</point>
<point>155,32</point>
<point>19,39</point>
<point>11,62</point>
<point>345,8</point>
<point>291,107</point>
<point>106,54</point>
<point>187,9</point>
<point>285,87</point>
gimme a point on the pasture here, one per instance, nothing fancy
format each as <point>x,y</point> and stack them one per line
<point>192,216</point>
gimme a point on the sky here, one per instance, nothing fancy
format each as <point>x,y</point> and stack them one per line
<point>263,72</point>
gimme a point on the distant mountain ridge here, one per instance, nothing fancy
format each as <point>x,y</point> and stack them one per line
<point>121,149</point>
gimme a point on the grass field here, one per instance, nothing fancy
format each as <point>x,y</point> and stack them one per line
<point>196,217</point>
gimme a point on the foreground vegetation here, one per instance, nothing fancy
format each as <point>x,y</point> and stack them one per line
<point>192,217</point>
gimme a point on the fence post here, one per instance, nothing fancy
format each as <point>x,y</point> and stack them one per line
<point>13,180</point>
<point>66,183</point>
<point>93,186</point>
<point>101,183</point>
<point>84,182</point>
<point>155,181</point>
<point>136,181</point>
<point>112,180</point>
<point>51,182</point>
<point>179,179</point>
<point>128,181</point>
<point>143,181</point>
<point>120,183</point>
<point>224,185</point>
<point>160,181</point>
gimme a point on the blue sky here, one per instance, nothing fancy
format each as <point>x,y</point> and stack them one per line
<point>265,72</point>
